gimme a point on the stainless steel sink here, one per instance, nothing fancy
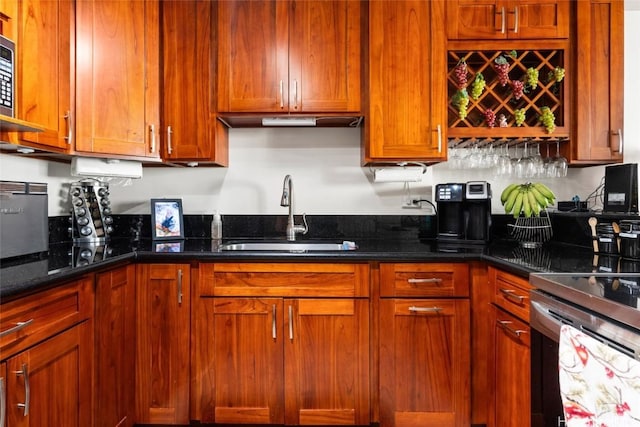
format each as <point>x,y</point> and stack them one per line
<point>291,246</point>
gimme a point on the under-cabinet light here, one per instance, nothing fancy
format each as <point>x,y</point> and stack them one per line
<point>289,121</point>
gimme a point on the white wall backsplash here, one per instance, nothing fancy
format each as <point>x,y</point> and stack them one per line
<point>324,164</point>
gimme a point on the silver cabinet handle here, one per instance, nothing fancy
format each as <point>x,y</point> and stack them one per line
<point>504,324</point>
<point>3,401</point>
<point>180,286</point>
<point>439,129</point>
<point>19,325</point>
<point>169,147</point>
<point>281,94</point>
<point>425,309</point>
<point>503,20</point>
<point>274,333</point>
<point>27,390</point>
<point>515,25</point>
<point>619,133</point>
<point>69,136</point>
<point>429,280</point>
<point>291,323</point>
<point>152,137</point>
<point>295,94</point>
<point>510,294</point>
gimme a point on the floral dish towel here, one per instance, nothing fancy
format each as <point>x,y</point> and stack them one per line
<point>599,386</point>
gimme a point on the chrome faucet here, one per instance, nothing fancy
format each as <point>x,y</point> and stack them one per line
<point>287,200</point>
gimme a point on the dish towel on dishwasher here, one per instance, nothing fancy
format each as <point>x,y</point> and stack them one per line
<point>599,385</point>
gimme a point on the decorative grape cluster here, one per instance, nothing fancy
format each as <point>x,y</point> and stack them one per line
<point>519,115</point>
<point>557,74</point>
<point>532,77</point>
<point>460,72</point>
<point>461,101</point>
<point>518,88</point>
<point>502,68</point>
<point>478,85</point>
<point>548,119</point>
<point>490,117</point>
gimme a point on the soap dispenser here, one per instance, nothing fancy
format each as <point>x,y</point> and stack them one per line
<point>216,226</point>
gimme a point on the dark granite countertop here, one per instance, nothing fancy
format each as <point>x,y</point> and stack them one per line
<point>66,261</point>
<point>397,239</point>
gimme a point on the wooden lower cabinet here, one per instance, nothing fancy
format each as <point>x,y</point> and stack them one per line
<point>288,361</point>
<point>46,355</point>
<point>282,343</point>
<point>512,370</point>
<point>424,362</point>
<point>53,380</point>
<point>424,345</point>
<point>162,343</point>
<point>114,398</point>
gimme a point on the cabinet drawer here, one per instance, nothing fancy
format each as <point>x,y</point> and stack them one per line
<point>29,320</point>
<point>284,279</point>
<point>510,292</point>
<point>424,279</point>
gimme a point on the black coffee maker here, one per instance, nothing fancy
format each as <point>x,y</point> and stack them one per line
<point>464,212</point>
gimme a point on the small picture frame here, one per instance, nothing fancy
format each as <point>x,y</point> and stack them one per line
<point>166,219</point>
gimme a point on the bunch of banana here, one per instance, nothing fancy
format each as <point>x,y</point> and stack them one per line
<point>528,199</point>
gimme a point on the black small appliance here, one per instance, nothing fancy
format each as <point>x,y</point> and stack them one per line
<point>621,188</point>
<point>464,212</point>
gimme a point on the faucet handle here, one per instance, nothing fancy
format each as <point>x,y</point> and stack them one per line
<point>306,226</point>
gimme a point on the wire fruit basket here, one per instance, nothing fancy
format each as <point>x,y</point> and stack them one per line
<point>532,232</point>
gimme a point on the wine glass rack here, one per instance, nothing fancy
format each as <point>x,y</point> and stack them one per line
<point>501,99</point>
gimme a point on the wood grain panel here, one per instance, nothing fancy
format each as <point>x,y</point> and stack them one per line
<point>424,279</point>
<point>510,292</point>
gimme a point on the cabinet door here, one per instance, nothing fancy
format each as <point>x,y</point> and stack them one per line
<point>43,90</point>
<point>599,84</point>
<point>117,77</point>
<point>162,349</point>
<point>327,361</point>
<point>512,371</point>
<point>253,38</point>
<point>247,360</point>
<point>407,94</point>
<point>53,379</point>
<point>324,57</point>
<point>114,337</point>
<point>508,19</point>
<point>424,362</point>
<point>191,132</point>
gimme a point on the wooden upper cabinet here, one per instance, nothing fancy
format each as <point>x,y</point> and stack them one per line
<point>43,33</point>
<point>117,78</point>
<point>406,117</point>
<point>190,131</point>
<point>289,56</point>
<point>507,19</point>
<point>599,83</point>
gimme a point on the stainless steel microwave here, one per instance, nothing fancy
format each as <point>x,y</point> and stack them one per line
<point>7,76</point>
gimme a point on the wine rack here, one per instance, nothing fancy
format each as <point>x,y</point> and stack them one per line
<point>500,98</point>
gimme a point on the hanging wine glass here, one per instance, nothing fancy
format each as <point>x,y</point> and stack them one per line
<point>560,163</point>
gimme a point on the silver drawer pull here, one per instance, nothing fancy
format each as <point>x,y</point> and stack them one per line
<point>431,280</point>
<point>510,294</point>
<point>504,324</point>
<point>27,390</point>
<point>415,309</point>
<point>19,325</point>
